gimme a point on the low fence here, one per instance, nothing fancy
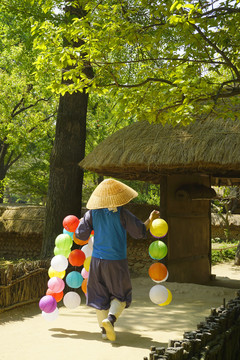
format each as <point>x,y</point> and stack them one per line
<point>217,338</point>
<point>22,284</point>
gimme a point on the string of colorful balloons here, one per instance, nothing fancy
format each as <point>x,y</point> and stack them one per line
<point>80,259</point>
<point>63,257</point>
<point>158,272</point>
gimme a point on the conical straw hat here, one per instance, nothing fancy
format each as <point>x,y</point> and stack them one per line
<point>110,193</point>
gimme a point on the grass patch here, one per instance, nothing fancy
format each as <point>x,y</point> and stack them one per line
<point>222,251</point>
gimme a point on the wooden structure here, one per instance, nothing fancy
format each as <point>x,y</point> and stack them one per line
<point>186,162</point>
<point>22,283</point>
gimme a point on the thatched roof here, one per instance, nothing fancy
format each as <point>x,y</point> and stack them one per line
<point>22,219</point>
<point>144,151</point>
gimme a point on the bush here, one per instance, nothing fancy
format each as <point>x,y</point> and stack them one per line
<point>221,255</point>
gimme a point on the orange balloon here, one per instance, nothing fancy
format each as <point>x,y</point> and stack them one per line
<point>57,296</point>
<point>78,241</point>
<point>76,257</point>
<point>84,286</point>
<point>158,272</point>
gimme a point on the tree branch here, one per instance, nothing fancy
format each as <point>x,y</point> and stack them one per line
<point>17,106</point>
<point>178,103</point>
<point>3,148</point>
<point>44,120</point>
<point>11,162</point>
<point>183,60</point>
<point>139,84</point>
<point>219,51</point>
<point>152,25</point>
<point>13,114</point>
<point>225,10</point>
<point>234,90</point>
<point>214,97</point>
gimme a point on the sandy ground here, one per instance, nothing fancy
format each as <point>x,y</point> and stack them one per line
<point>25,335</point>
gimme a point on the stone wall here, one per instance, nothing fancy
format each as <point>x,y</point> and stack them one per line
<point>28,245</point>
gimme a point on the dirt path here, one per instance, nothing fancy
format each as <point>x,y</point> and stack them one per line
<point>25,335</point>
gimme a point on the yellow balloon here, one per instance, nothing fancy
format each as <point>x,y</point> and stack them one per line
<point>159,228</point>
<point>86,263</point>
<point>53,273</point>
<point>169,299</point>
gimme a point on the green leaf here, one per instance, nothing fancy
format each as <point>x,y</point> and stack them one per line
<point>173,7</point>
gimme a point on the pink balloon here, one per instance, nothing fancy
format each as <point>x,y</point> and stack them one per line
<point>56,284</point>
<point>47,303</point>
<point>84,273</point>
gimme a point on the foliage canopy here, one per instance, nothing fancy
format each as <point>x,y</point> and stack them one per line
<point>27,108</point>
<point>164,61</point>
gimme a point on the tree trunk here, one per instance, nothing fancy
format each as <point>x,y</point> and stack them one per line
<point>66,177</point>
<point>2,177</point>
<point>3,168</point>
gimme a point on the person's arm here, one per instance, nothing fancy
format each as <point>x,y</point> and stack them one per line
<point>153,215</point>
<point>134,226</point>
<point>85,227</point>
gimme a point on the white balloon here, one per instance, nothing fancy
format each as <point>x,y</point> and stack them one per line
<point>158,294</point>
<point>91,242</point>
<point>50,316</point>
<point>87,250</point>
<point>59,263</point>
<point>71,300</point>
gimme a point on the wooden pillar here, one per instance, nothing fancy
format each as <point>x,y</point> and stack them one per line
<point>189,221</point>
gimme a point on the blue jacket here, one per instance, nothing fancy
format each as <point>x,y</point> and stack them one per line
<point>110,231</point>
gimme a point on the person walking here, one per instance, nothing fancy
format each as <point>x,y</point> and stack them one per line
<point>109,288</point>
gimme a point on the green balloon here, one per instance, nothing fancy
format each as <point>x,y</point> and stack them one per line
<point>63,241</point>
<point>64,252</point>
<point>157,250</point>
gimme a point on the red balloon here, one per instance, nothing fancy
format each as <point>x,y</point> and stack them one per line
<point>76,257</point>
<point>57,296</point>
<point>70,223</point>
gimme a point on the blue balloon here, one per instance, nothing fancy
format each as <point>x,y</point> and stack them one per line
<point>74,279</point>
<point>68,232</point>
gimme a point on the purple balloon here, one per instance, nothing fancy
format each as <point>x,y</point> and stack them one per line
<point>47,303</point>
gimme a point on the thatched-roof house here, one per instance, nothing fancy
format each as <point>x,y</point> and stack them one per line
<point>146,151</point>
<point>21,228</point>
<point>185,161</point>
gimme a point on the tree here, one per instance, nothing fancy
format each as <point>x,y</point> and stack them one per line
<point>66,177</point>
<point>165,61</point>
<point>27,179</point>
<point>27,109</point>
<point>162,61</point>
